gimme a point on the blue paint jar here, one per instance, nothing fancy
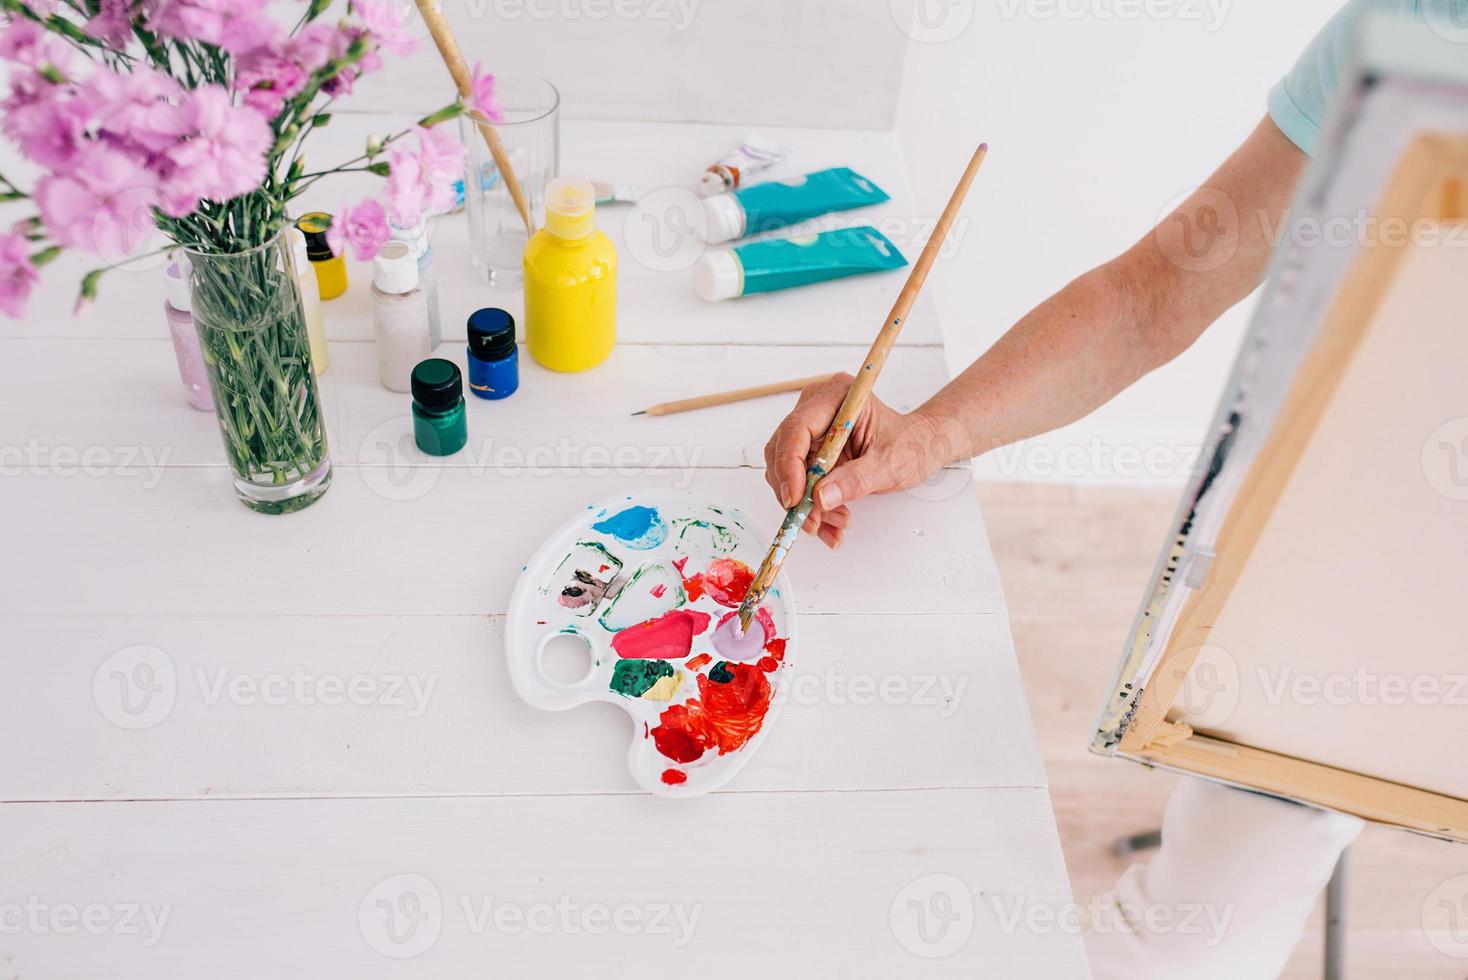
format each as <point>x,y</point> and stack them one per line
<point>494,367</point>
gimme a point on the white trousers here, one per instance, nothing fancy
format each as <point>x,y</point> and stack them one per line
<point>1226,896</point>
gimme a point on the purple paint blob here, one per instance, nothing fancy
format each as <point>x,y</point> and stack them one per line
<point>734,645</point>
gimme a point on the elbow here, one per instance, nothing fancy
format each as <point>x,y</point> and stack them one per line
<point>1155,327</point>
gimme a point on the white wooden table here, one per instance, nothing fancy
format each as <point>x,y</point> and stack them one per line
<point>241,746</point>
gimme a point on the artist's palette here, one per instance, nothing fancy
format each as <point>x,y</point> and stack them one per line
<point>651,582</point>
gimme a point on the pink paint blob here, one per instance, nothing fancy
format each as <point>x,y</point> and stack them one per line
<point>734,644</point>
<point>669,637</point>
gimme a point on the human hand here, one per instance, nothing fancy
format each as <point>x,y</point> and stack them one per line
<point>886,452</point>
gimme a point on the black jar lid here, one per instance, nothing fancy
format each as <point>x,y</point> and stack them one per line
<point>436,383</point>
<point>314,226</point>
<point>491,333</point>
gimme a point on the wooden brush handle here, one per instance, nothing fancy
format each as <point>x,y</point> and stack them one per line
<point>739,395</point>
<point>856,398</point>
<point>866,378</point>
<point>448,49</point>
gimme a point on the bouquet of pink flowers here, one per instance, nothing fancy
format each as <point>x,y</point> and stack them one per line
<point>188,116</point>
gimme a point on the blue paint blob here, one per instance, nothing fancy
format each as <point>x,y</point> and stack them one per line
<point>639,528</point>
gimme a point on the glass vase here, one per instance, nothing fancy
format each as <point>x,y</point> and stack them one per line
<point>252,328</point>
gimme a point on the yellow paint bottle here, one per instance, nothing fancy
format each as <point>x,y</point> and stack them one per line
<point>331,270</point>
<point>570,282</point>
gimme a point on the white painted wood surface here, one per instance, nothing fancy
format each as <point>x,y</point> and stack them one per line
<point>247,724</point>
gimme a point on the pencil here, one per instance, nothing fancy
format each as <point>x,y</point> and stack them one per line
<point>729,397</point>
<point>856,398</point>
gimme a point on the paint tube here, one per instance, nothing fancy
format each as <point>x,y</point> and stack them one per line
<point>762,267</point>
<point>752,156</point>
<point>775,204</point>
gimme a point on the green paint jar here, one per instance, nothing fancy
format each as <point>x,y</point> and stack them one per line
<point>439,426</point>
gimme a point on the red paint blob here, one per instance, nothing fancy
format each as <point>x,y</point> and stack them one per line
<point>734,711</point>
<point>776,648</point>
<point>724,716</point>
<point>679,734</point>
<point>698,661</point>
<point>669,637</point>
<point>674,777</point>
<point>726,581</point>
<point>658,590</point>
<point>768,664</point>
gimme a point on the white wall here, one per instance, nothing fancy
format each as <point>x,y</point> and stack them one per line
<point>1097,126</point>
<point>826,63</point>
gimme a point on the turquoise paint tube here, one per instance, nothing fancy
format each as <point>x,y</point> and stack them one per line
<point>762,267</point>
<point>777,203</point>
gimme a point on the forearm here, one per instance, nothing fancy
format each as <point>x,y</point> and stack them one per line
<point>1069,355</point>
<point>1114,324</point>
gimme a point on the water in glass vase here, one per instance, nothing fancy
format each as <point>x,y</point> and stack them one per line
<point>253,333</point>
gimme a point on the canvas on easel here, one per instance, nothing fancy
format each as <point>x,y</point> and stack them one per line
<point>1304,635</point>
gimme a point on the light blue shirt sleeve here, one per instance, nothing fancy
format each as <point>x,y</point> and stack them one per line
<point>1299,102</point>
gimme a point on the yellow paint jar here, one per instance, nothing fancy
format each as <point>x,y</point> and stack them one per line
<point>331,270</point>
<point>570,282</point>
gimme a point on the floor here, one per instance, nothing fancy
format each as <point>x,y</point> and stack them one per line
<point>1074,563</point>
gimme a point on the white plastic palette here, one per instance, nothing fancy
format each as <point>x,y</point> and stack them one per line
<point>651,582</point>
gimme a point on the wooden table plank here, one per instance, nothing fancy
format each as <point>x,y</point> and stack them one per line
<point>422,706</point>
<point>552,416</point>
<point>175,542</point>
<point>716,885</point>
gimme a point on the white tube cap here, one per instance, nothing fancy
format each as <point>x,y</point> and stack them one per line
<point>395,269</point>
<point>711,183</point>
<point>176,280</point>
<point>724,219</point>
<point>718,275</point>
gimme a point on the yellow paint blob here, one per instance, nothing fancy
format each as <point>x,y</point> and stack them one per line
<point>665,688</point>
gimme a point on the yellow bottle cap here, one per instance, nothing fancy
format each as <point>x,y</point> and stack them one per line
<point>570,207</point>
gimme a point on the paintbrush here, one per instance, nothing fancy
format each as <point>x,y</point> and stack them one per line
<point>453,60</point>
<point>856,397</point>
<point>729,397</point>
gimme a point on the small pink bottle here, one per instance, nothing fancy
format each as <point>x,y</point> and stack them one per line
<point>186,338</point>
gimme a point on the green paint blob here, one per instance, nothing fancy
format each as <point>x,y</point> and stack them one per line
<point>633,678</point>
<point>720,673</point>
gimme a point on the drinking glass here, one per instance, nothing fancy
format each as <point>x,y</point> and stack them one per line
<point>530,135</point>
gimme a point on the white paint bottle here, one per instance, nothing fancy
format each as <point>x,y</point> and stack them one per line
<point>399,315</point>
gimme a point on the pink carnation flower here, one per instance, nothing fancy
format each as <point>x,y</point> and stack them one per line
<point>26,42</point>
<point>482,98</point>
<point>316,44</point>
<point>423,181</point>
<point>222,154</point>
<point>268,79</point>
<point>387,22</point>
<point>363,227</point>
<point>47,121</point>
<point>17,276</point>
<point>103,204</point>
<point>442,158</point>
<point>113,22</point>
<point>143,107</point>
<point>237,26</point>
<point>405,193</point>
